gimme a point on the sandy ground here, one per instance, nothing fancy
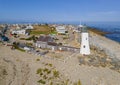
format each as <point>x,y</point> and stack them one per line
<point>19,68</point>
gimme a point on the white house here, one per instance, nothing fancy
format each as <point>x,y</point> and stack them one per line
<point>29,27</point>
<point>85,48</point>
<point>61,29</point>
<point>27,48</point>
<point>20,31</point>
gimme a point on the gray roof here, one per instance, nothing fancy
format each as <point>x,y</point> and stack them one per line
<point>45,39</point>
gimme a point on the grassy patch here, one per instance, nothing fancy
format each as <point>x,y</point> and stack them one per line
<point>99,32</point>
<point>56,73</point>
<point>29,44</point>
<point>42,29</point>
<point>22,38</point>
<point>53,32</point>
<point>65,38</point>
<point>39,71</point>
<point>20,49</point>
<point>37,59</point>
<point>50,76</point>
<point>42,81</point>
<point>37,32</point>
<point>79,82</point>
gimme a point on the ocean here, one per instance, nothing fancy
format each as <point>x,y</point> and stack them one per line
<point>112,27</point>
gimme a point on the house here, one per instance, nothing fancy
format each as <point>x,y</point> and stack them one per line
<point>46,42</point>
<point>42,41</point>
<point>52,45</point>
<point>20,31</point>
<point>27,48</point>
<point>29,27</point>
<point>61,30</point>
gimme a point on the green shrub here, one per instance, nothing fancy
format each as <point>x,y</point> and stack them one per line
<point>45,77</point>
<point>53,32</point>
<point>29,44</point>
<point>50,65</point>
<point>37,59</point>
<point>22,38</point>
<point>79,82</point>
<point>65,38</point>
<point>39,71</point>
<point>20,49</point>
<point>41,74</point>
<point>45,70</point>
<point>56,73</point>
<point>51,83</point>
<point>42,81</point>
<point>66,82</point>
<point>49,72</point>
<point>5,72</point>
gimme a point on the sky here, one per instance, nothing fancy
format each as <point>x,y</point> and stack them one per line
<point>59,10</point>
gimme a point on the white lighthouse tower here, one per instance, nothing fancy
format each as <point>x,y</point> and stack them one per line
<point>85,48</point>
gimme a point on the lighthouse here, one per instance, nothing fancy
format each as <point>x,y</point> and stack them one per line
<point>85,48</point>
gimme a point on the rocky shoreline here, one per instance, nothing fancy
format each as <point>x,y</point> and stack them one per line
<point>110,47</point>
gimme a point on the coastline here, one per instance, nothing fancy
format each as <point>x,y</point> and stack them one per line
<point>97,31</point>
<point>111,47</point>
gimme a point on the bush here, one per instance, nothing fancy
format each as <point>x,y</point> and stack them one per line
<point>49,72</point>
<point>42,81</point>
<point>56,73</point>
<point>22,38</point>
<point>45,70</point>
<point>29,44</point>
<point>50,65</point>
<point>79,83</point>
<point>37,59</point>
<point>20,49</point>
<point>65,38</point>
<point>51,83</point>
<point>39,71</point>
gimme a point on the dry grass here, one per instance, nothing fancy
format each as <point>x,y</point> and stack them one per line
<point>99,32</point>
<point>42,29</point>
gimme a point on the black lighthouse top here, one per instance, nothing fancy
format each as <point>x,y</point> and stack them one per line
<point>84,28</point>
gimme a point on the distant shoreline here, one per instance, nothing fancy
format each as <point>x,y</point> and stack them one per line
<point>99,32</point>
<point>102,33</point>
